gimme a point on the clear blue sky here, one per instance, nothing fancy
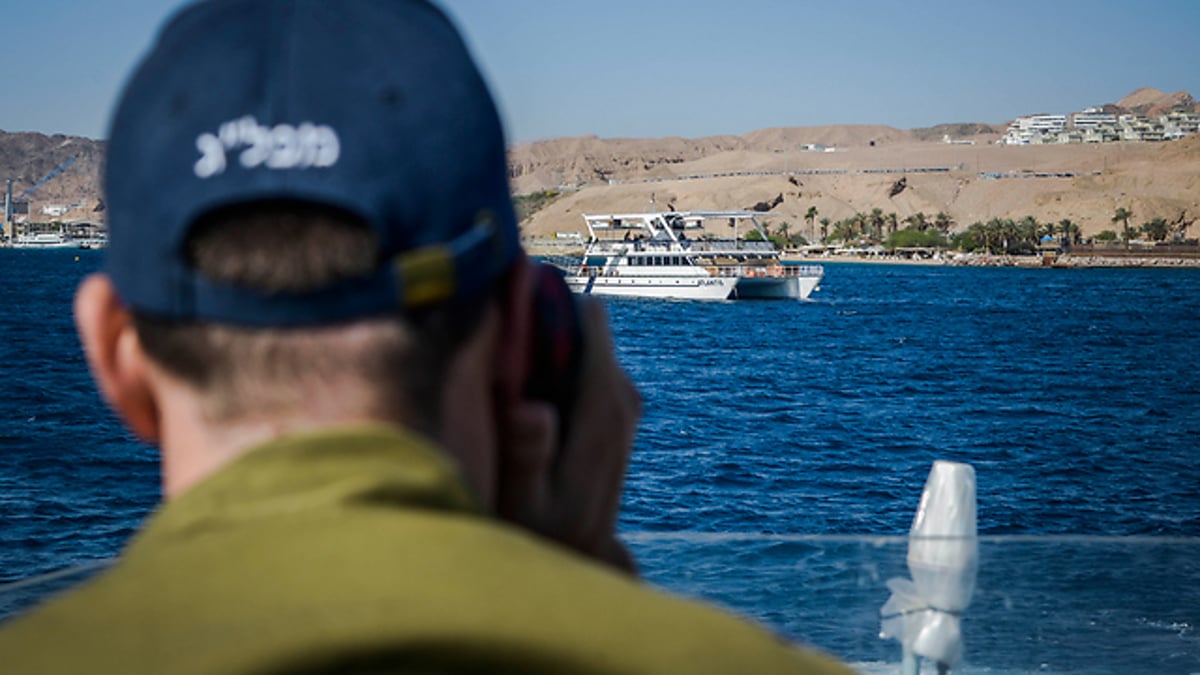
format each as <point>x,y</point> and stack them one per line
<point>649,68</point>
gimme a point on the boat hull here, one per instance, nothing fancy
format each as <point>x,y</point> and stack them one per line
<point>794,287</point>
<point>42,246</point>
<point>684,288</point>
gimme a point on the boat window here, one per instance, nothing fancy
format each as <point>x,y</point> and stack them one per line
<point>657,260</point>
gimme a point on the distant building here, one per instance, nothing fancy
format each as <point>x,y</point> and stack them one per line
<point>1093,125</point>
<point>1029,130</point>
<point>1092,118</point>
<point>950,141</point>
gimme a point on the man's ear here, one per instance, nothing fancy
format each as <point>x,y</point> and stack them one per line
<point>115,356</point>
<point>514,350</point>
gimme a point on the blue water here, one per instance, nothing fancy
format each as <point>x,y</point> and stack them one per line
<point>773,431</point>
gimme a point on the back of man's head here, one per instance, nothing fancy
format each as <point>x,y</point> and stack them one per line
<point>302,191</point>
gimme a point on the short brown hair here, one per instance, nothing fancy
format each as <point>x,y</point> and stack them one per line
<point>396,363</point>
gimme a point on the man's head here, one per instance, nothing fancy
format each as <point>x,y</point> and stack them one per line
<point>370,107</point>
<point>309,216</point>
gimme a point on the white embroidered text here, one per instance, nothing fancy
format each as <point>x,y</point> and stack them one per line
<point>283,146</point>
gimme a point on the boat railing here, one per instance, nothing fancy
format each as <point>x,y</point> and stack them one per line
<point>715,246</point>
<point>766,271</point>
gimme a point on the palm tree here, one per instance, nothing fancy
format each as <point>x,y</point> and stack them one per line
<point>1122,216</point>
<point>994,231</point>
<point>943,222</point>
<point>1009,234</point>
<point>1028,229</point>
<point>974,235</point>
<point>1047,229</point>
<point>811,215</point>
<point>858,223</point>
<point>877,223</point>
<point>843,230</point>
<point>917,221</point>
<point>990,232</point>
<point>1156,229</point>
<point>824,229</point>
<point>1068,230</point>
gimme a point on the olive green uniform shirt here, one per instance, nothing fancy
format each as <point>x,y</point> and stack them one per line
<point>358,550</point>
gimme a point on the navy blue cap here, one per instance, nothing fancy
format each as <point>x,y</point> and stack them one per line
<point>373,107</point>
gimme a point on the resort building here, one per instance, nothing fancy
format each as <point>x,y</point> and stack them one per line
<point>1027,130</point>
<point>1096,126</point>
<point>1092,118</point>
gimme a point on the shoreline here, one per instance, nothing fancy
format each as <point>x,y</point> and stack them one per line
<point>1029,261</point>
<point>1064,261</point>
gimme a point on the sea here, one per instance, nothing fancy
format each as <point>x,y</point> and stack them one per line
<point>782,454</point>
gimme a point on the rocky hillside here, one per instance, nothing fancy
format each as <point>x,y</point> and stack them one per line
<point>589,160</point>
<point>873,167</point>
<point>575,162</point>
<point>27,157</point>
<point>1083,183</point>
<point>1152,102</point>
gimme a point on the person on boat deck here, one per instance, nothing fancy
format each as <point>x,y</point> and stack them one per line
<point>314,303</point>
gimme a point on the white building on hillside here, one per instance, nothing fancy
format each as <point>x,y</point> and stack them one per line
<point>1026,130</point>
<point>1092,118</point>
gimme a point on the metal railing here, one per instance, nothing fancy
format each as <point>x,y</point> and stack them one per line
<point>766,271</point>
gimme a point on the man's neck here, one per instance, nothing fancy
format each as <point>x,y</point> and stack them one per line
<point>194,448</point>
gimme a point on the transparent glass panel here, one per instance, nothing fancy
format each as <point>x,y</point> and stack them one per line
<point>1042,604</point>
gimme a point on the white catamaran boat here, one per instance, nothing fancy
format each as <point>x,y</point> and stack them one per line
<point>652,255</point>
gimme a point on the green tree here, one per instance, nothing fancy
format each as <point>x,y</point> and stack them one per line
<point>1106,235</point>
<point>839,232</point>
<point>910,238</point>
<point>1029,230</point>
<point>970,239</point>
<point>527,205</point>
<point>1122,216</point>
<point>892,222</point>
<point>1157,229</point>
<point>811,215</point>
<point>942,222</point>
<point>858,224</point>
<point>824,229</point>
<point>1068,231</point>
<point>876,223</point>
<point>917,221</point>
<point>997,234</point>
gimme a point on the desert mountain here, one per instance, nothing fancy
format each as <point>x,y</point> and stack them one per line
<point>871,167</point>
<point>1152,102</point>
<point>27,157</point>
<point>587,160</point>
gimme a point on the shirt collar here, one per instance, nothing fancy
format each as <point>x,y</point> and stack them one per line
<point>331,468</point>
